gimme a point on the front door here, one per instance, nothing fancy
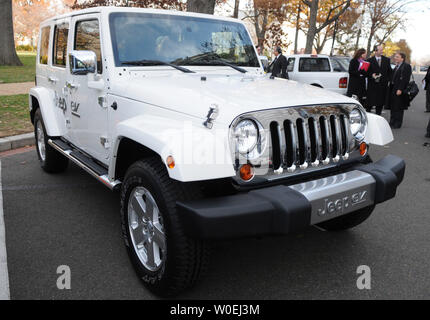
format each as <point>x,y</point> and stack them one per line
<point>89,114</point>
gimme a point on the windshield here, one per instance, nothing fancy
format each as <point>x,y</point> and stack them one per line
<point>180,40</point>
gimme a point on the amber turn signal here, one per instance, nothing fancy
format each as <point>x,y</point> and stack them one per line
<point>246,172</point>
<point>363,148</point>
<point>170,162</point>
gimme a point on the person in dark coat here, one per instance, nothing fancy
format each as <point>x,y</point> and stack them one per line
<point>279,65</point>
<point>427,88</point>
<point>357,77</point>
<point>398,100</point>
<point>379,74</point>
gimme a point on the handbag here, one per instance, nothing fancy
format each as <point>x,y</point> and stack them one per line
<point>412,89</point>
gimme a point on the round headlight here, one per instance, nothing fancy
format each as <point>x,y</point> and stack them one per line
<point>357,123</point>
<point>246,133</point>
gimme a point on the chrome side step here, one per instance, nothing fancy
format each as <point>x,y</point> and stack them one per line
<point>84,162</point>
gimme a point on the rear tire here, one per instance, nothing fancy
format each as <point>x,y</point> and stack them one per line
<point>167,266</point>
<point>348,221</point>
<point>50,159</point>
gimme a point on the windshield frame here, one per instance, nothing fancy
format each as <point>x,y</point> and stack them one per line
<point>114,44</point>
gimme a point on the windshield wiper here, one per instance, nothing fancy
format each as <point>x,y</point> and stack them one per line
<point>156,63</point>
<point>209,58</point>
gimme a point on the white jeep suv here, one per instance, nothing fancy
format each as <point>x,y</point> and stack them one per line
<point>174,111</point>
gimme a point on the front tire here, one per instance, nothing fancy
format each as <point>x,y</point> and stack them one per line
<point>50,159</point>
<point>348,221</point>
<point>165,258</point>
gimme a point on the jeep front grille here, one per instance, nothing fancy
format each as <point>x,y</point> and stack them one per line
<point>306,142</point>
<point>302,139</point>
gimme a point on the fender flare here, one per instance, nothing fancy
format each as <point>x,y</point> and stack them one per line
<point>199,153</point>
<point>378,130</point>
<point>53,116</point>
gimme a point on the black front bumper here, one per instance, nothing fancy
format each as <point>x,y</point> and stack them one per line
<point>274,210</point>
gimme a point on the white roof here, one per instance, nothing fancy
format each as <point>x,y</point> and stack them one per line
<point>309,55</point>
<point>107,10</point>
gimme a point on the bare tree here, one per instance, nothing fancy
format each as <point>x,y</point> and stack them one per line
<point>333,14</point>
<point>385,16</point>
<point>8,54</point>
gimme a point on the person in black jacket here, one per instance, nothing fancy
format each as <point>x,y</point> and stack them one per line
<point>357,77</point>
<point>398,100</point>
<point>279,65</point>
<point>379,74</point>
<point>427,88</point>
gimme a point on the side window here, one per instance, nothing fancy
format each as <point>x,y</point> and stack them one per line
<point>87,37</point>
<point>60,45</point>
<point>314,65</point>
<point>336,65</point>
<point>291,62</point>
<point>44,45</point>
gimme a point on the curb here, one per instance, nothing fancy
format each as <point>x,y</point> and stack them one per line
<point>15,142</point>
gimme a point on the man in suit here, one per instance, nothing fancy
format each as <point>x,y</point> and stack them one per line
<point>379,75</point>
<point>398,99</point>
<point>279,65</point>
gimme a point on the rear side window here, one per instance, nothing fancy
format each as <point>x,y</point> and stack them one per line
<point>87,37</point>
<point>44,45</point>
<point>60,45</point>
<point>291,62</point>
<point>314,65</point>
<point>336,65</point>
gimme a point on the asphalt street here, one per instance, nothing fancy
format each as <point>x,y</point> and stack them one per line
<point>70,219</point>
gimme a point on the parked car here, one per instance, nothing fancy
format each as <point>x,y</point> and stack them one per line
<point>424,68</point>
<point>198,141</point>
<point>318,70</point>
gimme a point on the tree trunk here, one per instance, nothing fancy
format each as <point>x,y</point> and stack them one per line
<point>358,40</point>
<point>236,9</point>
<point>8,54</point>
<point>201,6</point>
<point>312,26</point>
<point>296,37</point>
<point>369,42</point>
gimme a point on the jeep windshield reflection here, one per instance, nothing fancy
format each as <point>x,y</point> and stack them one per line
<point>142,39</point>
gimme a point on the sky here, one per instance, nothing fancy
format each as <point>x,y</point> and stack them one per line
<point>417,32</point>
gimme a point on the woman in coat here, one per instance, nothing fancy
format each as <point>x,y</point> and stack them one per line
<point>357,76</point>
<point>398,100</point>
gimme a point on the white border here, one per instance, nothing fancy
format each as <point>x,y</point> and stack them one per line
<point>4,277</point>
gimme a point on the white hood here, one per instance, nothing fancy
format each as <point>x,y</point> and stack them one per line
<point>234,94</point>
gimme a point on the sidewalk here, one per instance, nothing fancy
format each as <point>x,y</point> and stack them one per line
<point>7,89</point>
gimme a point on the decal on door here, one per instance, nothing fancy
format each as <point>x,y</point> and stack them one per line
<point>75,108</point>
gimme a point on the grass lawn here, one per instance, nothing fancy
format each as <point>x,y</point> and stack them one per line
<point>20,74</point>
<point>14,115</point>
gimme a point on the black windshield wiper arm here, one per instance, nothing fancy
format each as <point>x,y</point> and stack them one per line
<point>230,65</point>
<point>156,63</point>
<point>209,59</point>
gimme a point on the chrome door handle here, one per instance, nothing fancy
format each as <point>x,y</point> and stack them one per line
<point>71,85</point>
<point>52,79</point>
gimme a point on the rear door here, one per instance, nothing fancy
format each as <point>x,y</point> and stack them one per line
<point>57,69</point>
